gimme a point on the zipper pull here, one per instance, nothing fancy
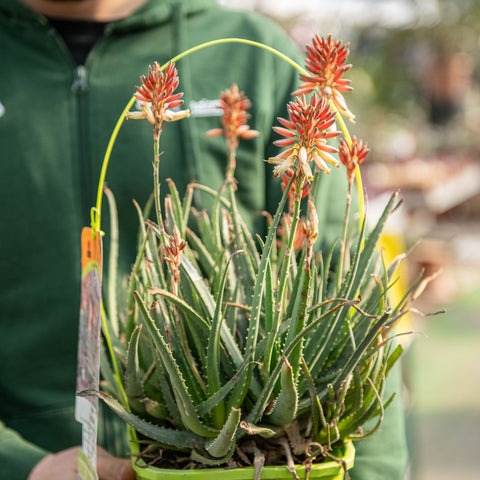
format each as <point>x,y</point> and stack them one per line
<point>80,81</point>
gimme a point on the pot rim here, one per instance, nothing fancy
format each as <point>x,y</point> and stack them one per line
<point>326,469</point>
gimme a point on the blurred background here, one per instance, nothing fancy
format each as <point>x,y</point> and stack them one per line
<point>417,103</point>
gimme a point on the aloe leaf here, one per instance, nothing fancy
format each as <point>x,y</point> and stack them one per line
<point>261,431</point>
<point>212,401</point>
<point>326,270</point>
<point>207,304</point>
<point>167,436</point>
<point>110,382</point>
<point>357,389</point>
<point>211,461</point>
<point>352,283</point>
<point>176,204</point>
<point>130,322</point>
<point>249,242</point>
<point>285,408</point>
<point>216,220</point>
<point>167,393</point>
<point>401,304</point>
<point>393,357</point>
<point>371,405</point>
<point>155,409</point>
<point>232,310</point>
<point>133,375</point>
<point>240,392</point>
<point>186,408</point>
<point>297,321</point>
<point>220,446</point>
<point>187,203</point>
<point>370,246</point>
<point>204,256</point>
<point>186,362</point>
<point>206,231</point>
<point>271,330</point>
<point>353,361</point>
<point>317,415</point>
<point>213,350</point>
<point>348,366</point>
<point>262,401</point>
<point>243,265</point>
<point>177,301</point>
<point>197,283</point>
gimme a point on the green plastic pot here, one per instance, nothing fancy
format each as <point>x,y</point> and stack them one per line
<point>327,470</point>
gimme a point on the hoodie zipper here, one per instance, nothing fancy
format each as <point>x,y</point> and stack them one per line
<point>80,91</point>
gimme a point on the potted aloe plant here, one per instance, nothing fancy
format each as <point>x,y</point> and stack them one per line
<point>256,353</point>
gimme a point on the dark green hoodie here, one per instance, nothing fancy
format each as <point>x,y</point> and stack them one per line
<point>55,122</point>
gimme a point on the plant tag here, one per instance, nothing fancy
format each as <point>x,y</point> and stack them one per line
<point>88,363</point>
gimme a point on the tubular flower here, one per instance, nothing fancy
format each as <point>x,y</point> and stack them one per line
<point>158,99</point>
<point>325,60</point>
<point>306,132</point>
<point>234,121</point>
<point>352,155</point>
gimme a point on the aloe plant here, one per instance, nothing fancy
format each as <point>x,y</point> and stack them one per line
<point>226,338</point>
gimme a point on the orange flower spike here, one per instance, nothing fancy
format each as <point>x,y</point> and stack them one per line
<point>325,60</point>
<point>235,106</point>
<point>158,99</point>
<point>352,155</point>
<point>307,131</point>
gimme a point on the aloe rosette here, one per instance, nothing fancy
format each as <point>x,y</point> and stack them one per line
<point>230,343</point>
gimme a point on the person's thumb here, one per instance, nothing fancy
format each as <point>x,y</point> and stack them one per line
<point>112,468</point>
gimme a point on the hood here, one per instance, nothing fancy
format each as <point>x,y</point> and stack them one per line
<point>152,13</point>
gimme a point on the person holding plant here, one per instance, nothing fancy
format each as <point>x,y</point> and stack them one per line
<point>68,68</point>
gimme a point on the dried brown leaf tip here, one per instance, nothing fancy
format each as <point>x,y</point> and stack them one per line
<point>173,255</point>
<point>325,60</point>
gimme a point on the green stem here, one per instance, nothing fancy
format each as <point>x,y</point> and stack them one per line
<point>343,245</point>
<point>237,40</point>
<point>358,176</point>
<point>156,183</point>
<point>96,213</point>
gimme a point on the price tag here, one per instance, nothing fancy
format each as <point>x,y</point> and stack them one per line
<point>88,363</point>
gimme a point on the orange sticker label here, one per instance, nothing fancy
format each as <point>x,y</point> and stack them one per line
<point>91,251</point>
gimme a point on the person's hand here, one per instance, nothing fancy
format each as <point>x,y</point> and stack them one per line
<point>64,465</point>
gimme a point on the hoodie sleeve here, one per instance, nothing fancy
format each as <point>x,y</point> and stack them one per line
<point>17,455</point>
<point>385,454</point>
